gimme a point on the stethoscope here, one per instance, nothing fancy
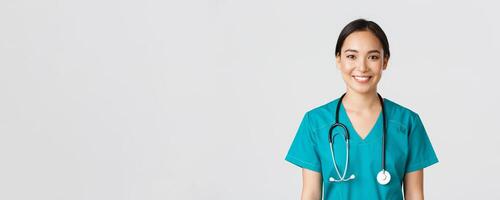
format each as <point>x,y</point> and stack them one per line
<point>383,177</point>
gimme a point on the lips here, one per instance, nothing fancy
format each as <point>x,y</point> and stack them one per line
<point>362,79</point>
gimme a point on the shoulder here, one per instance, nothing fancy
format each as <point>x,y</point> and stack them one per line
<point>400,114</point>
<point>322,115</point>
<point>326,108</point>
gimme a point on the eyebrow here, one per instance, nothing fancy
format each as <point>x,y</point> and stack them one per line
<point>356,51</point>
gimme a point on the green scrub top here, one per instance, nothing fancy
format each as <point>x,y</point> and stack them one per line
<point>408,149</point>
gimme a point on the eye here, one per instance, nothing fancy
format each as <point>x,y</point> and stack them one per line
<point>352,57</point>
<point>374,57</point>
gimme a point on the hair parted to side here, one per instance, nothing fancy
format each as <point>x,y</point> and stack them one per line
<point>363,25</point>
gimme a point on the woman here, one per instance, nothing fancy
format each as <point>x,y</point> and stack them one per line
<point>386,144</point>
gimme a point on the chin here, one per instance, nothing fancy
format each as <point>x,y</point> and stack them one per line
<point>362,89</point>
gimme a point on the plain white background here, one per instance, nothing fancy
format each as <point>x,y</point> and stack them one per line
<point>108,99</point>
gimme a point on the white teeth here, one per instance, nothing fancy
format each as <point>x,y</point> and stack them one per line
<point>362,78</point>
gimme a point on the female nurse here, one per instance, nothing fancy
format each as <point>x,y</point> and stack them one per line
<point>403,150</point>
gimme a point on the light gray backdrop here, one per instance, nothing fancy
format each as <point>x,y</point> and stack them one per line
<point>109,99</point>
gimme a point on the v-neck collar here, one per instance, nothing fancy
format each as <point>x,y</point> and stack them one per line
<point>374,133</point>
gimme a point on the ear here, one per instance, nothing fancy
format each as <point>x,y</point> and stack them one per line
<point>337,60</point>
<point>386,61</point>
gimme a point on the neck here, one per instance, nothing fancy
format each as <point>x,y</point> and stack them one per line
<point>361,101</point>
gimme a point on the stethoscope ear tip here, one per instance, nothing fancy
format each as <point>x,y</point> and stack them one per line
<point>331,179</point>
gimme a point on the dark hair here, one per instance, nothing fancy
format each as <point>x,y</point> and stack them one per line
<point>363,25</point>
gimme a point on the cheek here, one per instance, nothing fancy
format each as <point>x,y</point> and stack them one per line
<point>346,72</point>
<point>346,68</point>
<point>376,67</point>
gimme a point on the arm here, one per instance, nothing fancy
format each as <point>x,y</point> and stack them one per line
<point>414,185</point>
<point>311,185</point>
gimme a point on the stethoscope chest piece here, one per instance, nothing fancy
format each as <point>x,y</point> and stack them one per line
<point>383,177</point>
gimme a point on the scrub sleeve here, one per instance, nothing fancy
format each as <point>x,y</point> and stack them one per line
<point>420,151</point>
<point>303,151</point>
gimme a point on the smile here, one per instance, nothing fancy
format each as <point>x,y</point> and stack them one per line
<point>362,79</point>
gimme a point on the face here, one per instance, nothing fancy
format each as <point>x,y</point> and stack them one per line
<point>361,62</point>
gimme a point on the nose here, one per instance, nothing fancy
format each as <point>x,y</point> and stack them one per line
<point>362,65</point>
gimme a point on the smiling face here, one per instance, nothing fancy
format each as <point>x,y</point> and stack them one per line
<point>361,62</point>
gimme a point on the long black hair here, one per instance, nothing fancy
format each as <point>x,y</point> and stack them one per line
<point>363,25</point>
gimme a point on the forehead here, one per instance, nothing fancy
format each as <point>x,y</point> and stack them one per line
<point>362,41</point>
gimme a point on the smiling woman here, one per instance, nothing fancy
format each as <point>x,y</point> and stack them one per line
<point>362,52</point>
<point>389,146</point>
